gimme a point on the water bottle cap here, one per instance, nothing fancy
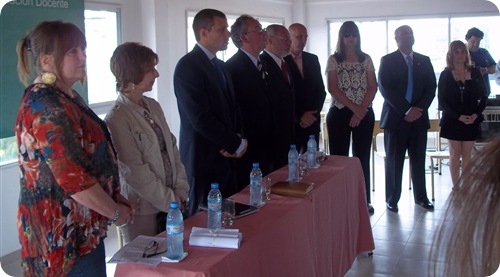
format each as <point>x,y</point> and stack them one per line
<point>255,165</point>
<point>174,205</point>
<point>293,146</point>
<point>311,136</point>
<point>214,185</point>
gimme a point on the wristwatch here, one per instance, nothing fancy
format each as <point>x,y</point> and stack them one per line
<point>112,221</point>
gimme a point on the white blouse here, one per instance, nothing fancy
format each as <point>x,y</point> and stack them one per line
<point>352,78</point>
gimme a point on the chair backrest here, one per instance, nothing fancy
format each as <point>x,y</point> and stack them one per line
<point>376,131</point>
<point>435,128</point>
<point>434,125</point>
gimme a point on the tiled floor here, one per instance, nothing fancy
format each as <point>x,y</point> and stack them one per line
<point>402,240</point>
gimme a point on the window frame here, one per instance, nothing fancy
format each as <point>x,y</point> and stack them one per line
<point>390,43</point>
<point>231,48</point>
<point>101,108</point>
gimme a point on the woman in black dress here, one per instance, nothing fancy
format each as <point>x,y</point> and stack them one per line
<point>462,98</point>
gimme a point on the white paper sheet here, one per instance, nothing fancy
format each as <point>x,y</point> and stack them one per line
<point>131,253</point>
<point>222,238</point>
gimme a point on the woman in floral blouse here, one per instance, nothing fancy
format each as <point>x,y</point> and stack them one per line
<point>70,188</point>
<point>352,84</point>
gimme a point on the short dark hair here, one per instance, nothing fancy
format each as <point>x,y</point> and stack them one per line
<point>239,28</point>
<point>474,32</point>
<point>204,19</point>
<point>129,63</point>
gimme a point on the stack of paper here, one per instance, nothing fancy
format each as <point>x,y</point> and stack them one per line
<point>222,238</point>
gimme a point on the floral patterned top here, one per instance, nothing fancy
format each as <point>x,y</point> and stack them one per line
<point>64,148</point>
<point>352,78</point>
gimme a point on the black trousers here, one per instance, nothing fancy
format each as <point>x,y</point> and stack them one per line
<point>340,135</point>
<point>396,143</point>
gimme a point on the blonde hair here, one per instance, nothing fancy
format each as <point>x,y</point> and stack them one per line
<point>469,235</point>
<point>55,38</point>
<point>454,45</point>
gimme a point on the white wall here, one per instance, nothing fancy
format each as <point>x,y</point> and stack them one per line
<point>161,25</point>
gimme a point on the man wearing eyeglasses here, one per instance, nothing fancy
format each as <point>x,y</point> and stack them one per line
<point>282,94</point>
<point>252,96</point>
<point>310,94</point>
<point>210,136</point>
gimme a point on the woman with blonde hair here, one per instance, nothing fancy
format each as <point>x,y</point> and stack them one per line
<point>70,188</point>
<point>468,239</point>
<point>462,98</point>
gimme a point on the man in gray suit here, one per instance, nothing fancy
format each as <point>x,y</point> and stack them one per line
<point>408,84</point>
<point>210,136</point>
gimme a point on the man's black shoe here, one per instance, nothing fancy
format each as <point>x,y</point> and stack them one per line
<point>371,210</point>
<point>426,205</point>
<point>393,209</point>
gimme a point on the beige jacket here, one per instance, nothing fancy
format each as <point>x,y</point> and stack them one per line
<point>137,147</point>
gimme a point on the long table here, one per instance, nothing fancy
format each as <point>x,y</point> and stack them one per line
<point>318,235</point>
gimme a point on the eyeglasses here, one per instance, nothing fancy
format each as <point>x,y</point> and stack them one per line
<point>282,38</point>
<point>152,249</point>
<point>354,35</point>
<point>257,30</point>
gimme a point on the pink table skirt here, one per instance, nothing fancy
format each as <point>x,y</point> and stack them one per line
<point>319,235</point>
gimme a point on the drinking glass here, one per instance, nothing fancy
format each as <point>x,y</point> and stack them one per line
<point>320,157</point>
<point>227,212</point>
<point>267,188</point>
<point>303,165</point>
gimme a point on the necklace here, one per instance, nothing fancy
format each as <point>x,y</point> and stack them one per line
<point>461,87</point>
<point>460,75</point>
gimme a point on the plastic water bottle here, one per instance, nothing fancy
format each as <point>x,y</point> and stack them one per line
<point>214,205</point>
<point>293,164</point>
<point>175,232</point>
<point>256,185</point>
<point>311,152</point>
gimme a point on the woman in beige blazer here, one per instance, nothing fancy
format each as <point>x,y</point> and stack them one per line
<point>153,174</point>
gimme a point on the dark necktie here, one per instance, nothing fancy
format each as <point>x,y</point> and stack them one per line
<point>220,73</point>
<point>284,71</point>
<point>409,87</point>
<point>261,70</point>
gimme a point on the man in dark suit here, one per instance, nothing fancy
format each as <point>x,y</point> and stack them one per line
<point>408,84</point>
<point>210,124</point>
<point>310,94</point>
<point>252,96</point>
<point>281,87</point>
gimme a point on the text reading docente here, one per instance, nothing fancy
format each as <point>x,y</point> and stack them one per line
<point>58,4</point>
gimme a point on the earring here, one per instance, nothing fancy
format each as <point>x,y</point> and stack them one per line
<point>49,78</point>
<point>129,88</point>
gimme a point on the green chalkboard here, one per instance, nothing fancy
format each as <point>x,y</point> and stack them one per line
<point>16,19</point>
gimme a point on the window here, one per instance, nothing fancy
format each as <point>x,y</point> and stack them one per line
<point>432,37</point>
<point>103,36</point>
<point>231,49</point>
<point>102,33</point>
